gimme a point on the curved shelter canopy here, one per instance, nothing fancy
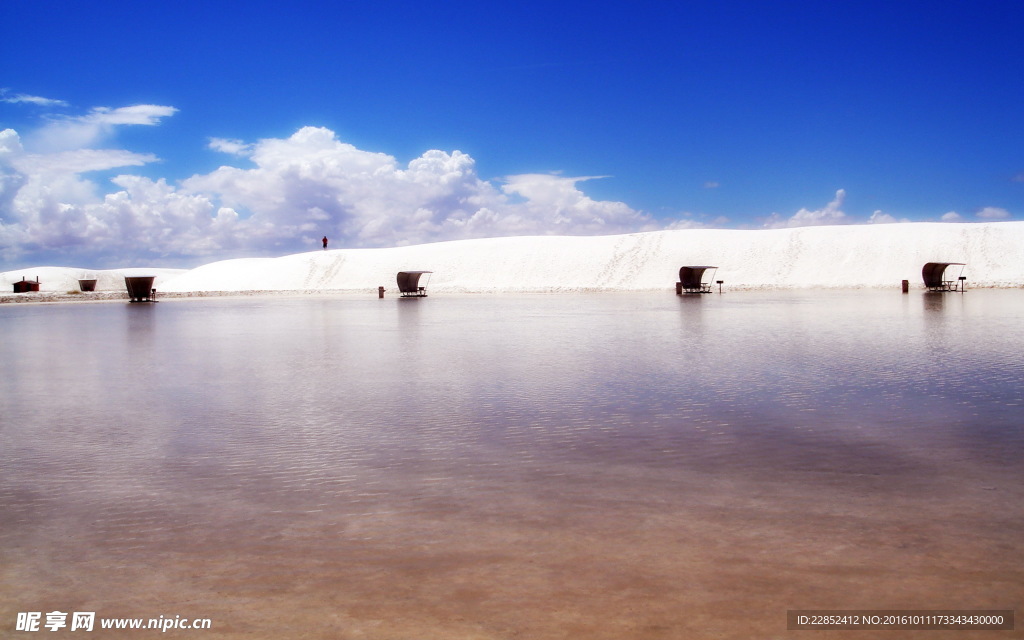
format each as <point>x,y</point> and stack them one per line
<point>412,283</point>
<point>140,288</point>
<point>697,278</point>
<point>935,278</point>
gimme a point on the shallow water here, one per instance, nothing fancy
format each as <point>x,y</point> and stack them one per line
<point>534,466</point>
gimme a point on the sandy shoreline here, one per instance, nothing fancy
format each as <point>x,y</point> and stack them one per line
<point>51,297</point>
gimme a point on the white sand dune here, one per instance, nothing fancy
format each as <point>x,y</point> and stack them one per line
<point>835,256</point>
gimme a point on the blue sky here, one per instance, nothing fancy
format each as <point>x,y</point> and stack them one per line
<point>174,134</point>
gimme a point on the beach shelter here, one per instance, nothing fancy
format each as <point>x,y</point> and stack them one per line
<point>936,278</point>
<point>412,284</point>
<point>140,288</point>
<point>696,279</point>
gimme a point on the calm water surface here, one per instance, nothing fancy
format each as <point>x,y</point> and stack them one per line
<point>531,466</point>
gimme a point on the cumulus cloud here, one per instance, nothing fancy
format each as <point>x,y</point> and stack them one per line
<point>950,216</point>
<point>292,191</point>
<point>312,183</point>
<point>831,213</point>
<point>993,213</point>
<point>45,201</point>
<point>11,180</point>
<point>554,205</point>
<point>51,208</point>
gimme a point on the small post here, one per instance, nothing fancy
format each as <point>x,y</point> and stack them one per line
<point>906,286</point>
<point>963,283</point>
<point>719,282</point>
<point>380,292</point>
<point>679,288</point>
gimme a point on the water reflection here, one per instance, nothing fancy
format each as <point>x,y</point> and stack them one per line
<point>430,461</point>
<point>934,300</point>
<point>692,311</point>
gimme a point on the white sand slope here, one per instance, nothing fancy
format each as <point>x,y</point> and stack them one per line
<point>836,256</point>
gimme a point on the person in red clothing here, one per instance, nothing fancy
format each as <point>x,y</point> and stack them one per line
<point>325,243</point>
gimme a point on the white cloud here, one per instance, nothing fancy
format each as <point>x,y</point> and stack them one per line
<point>144,114</point>
<point>296,190</point>
<point>950,216</point>
<point>689,220</point>
<point>11,180</point>
<point>54,177</point>
<point>879,217</point>
<point>829,214</point>
<point>553,205</point>
<point>46,203</point>
<point>10,144</point>
<point>78,132</point>
<point>81,161</point>
<point>231,146</point>
<point>685,224</point>
<point>36,100</point>
<point>993,213</point>
<point>311,183</point>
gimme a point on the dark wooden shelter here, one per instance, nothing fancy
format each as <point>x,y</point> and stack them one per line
<point>936,277</point>
<point>412,285</point>
<point>25,286</point>
<point>696,279</point>
<point>140,288</point>
<point>87,285</point>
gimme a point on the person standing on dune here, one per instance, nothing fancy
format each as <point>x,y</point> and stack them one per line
<point>325,243</point>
